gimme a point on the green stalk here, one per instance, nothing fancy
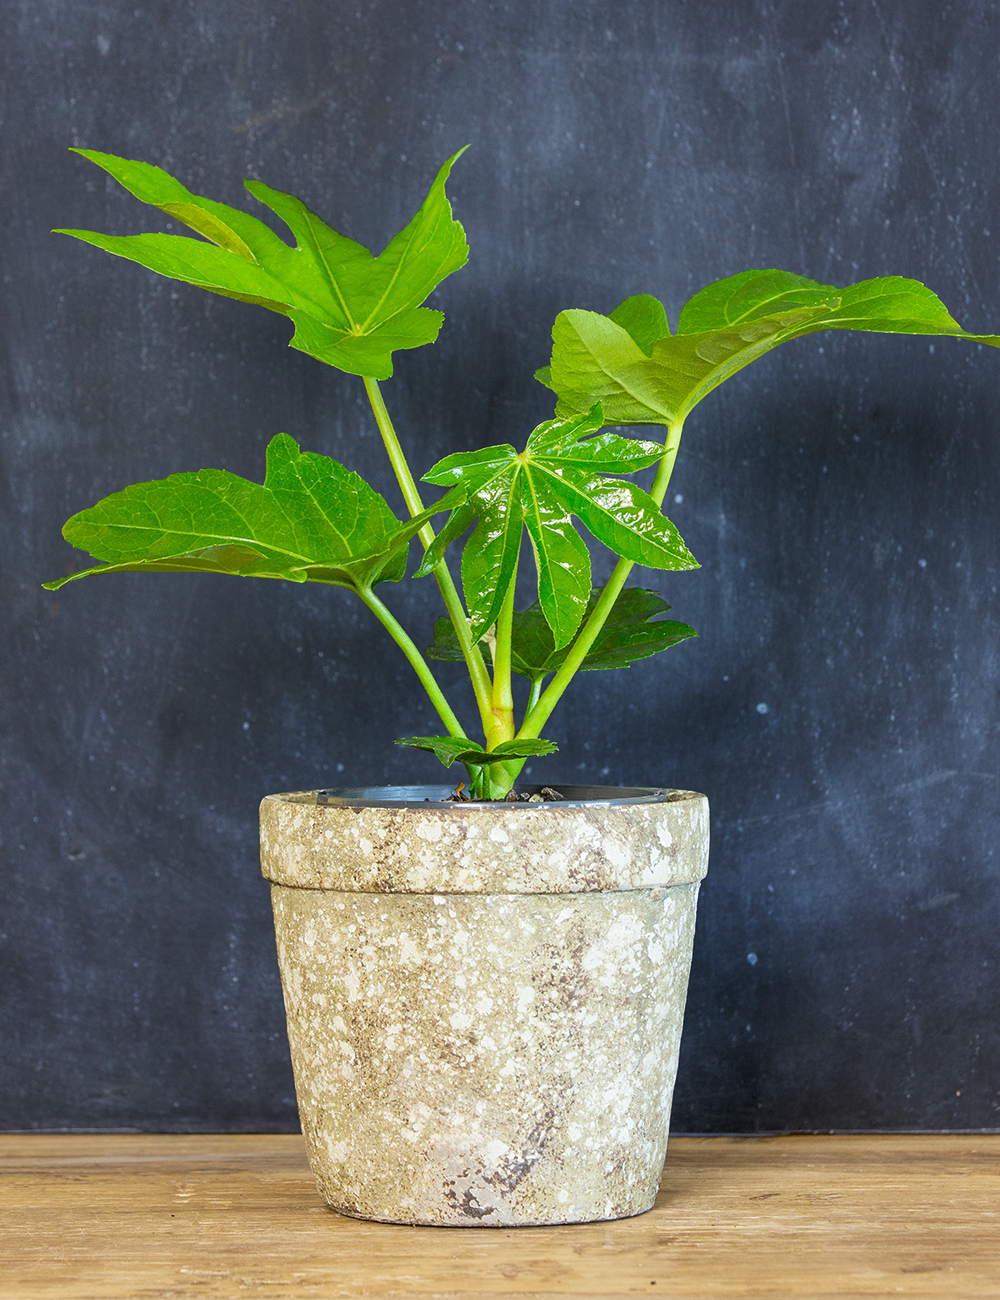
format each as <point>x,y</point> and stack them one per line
<point>493,780</point>
<point>418,662</point>
<point>449,593</point>
<point>539,714</point>
<point>502,725</point>
<point>666,466</point>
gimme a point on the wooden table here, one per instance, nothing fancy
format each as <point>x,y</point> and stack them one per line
<point>97,1217</point>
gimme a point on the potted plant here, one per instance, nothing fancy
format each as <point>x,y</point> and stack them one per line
<point>484,985</point>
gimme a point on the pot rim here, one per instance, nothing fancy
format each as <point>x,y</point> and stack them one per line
<point>647,837</point>
<point>436,796</point>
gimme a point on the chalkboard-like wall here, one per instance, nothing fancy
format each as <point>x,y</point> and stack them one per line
<point>841,705</point>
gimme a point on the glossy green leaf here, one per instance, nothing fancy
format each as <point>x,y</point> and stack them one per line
<point>458,749</point>
<point>559,476</point>
<point>628,634</point>
<point>644,377</point>
<point>350,309</point>
<point>312,520</point>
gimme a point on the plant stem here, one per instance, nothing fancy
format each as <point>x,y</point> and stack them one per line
<point>418,662</point>
<point>661,480</point>
<point>404,478</point>
<point>533,694</point>
<point>491,781</point>
<point>502,724</point>
<point>539,714</point>
<point>449,592</point>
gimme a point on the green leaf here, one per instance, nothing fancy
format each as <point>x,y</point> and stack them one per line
<point>228,227</point>
<point>311,521</point>
<point>562,560</point>
<point>445,645</point>
<point>458,749</point>
<point>350,309</point>
<point>559,475</point>
<point>643,319</point>
<point>748,296</point>
<point>628,634</point>
<point>643,376</point>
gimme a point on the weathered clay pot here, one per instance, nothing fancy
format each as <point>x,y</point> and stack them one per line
<point>485,1000</point>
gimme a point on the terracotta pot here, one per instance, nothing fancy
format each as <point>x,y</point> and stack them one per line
<point>485,1000</point>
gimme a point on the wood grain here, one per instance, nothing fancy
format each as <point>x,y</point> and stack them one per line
<point>126,1217</point>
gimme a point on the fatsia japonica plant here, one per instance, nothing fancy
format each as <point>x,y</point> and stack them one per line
<point>315,520</point>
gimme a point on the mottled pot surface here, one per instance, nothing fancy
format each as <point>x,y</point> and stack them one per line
<point>485,1000</point>
<point>485,1060</point>
<point>407,839</point>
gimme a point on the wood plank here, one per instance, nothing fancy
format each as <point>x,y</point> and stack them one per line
<point>130,1217</point>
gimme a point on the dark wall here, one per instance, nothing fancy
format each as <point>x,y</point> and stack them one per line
<point>841,706</point>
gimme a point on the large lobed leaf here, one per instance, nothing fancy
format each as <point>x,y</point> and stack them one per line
<point>312,520</point>
<point>560,474</point>
<point>350,309</point>
<point>642,374</point>
<point>628,634</point>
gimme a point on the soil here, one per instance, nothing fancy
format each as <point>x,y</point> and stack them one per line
<point>547,795</point>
